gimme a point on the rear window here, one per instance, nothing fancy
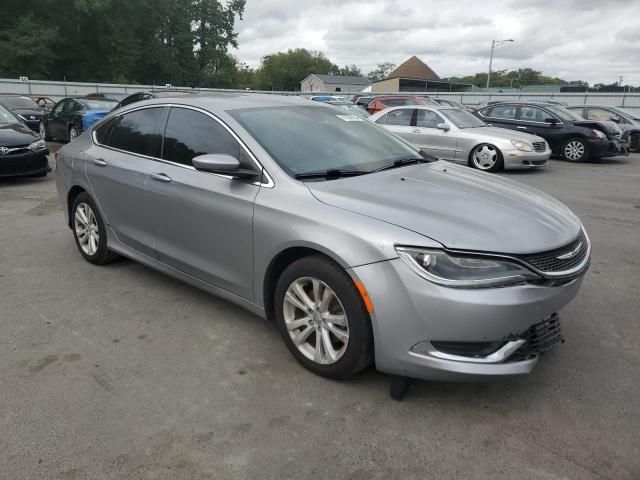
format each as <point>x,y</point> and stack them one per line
<point>92,104</point>
<point>19,102</point>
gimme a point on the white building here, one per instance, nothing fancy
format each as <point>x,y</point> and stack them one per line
<point>333,83</point>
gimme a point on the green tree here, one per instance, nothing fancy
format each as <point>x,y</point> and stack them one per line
<point>380,73</point>
<point>350,70</point>
<point>285,70</point>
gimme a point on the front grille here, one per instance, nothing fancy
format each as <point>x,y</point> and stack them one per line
<point>15,150</point>
<point>548,262</point>
<point>539,146</point>
<point>538,162</point>
<point>540,337</point>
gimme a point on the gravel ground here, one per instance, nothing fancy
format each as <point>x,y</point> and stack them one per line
<point>120,372</point>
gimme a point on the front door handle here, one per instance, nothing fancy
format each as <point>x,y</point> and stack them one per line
<point>522,128</point>
<point>417,130</point>
<point>161,177</point>
<point>99,162</point>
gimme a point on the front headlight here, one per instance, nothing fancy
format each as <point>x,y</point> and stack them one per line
<point>38,145</point>
<point>599,134</point>
<point>520,145</point>
<point>464,271</point>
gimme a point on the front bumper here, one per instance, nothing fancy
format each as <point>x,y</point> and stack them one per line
<point>411,312</point>
<point>517,159</point>
<point>24,164</point>
<point>617,147</point>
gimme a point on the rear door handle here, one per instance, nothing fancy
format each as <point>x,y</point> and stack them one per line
<point>161,177</point>
<point>522,128</point>
<point>99,162</point>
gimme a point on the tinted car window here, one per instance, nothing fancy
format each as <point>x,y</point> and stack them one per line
<point>502,111</point>
<point>136,132</point>
<point>532,114</point>
<point>400,118</point>
<point>428,119</point>
<point>398,102</point>
<point>103,132</point>
<point>189,134</point>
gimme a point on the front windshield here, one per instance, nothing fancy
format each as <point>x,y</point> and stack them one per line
<point>7,118</point>
<point>92,104</point>
<point>316,139</point>
<point>627,113</point>
<point>461,118</point>
<point>19,102</point>
<point>564,113</point>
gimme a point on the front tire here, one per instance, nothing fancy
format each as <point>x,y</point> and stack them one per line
<point>486,157</point>
<point>322,318</point>
<point>89,231</point>
<point>73,133</point>
<point>575,150</point>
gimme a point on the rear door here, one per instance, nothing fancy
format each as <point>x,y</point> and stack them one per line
<point>117,170</point>
<point>203,221</point>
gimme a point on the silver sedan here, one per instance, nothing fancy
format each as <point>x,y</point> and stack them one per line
<point>360,247</point>
<point>454,134</point>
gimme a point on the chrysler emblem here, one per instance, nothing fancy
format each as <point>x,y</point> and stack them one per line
<point>4,150</point>
<point>570,254</point>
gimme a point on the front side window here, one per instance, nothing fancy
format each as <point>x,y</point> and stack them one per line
<point>507,112</point>
<point>190,134</point>
<point>532,114</point>
<point>428,119</point>
<point>59,107</point>
<point>400,118</point>
<point>600,114</point>
<point>310,139</point>
<point>137,131</point>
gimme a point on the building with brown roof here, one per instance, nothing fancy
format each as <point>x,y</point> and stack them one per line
<point>416,76</point>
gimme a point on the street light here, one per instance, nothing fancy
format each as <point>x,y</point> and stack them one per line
<point>494,44</point>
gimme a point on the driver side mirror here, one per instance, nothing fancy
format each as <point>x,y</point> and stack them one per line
<point>222,164</point>
<point>616,119</point>
<point>551,120</point>
<point>444,126</point>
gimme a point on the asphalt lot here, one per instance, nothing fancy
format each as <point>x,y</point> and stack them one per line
<point>121,372</point>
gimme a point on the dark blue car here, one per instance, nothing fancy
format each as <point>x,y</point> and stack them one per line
<point>72,116</point>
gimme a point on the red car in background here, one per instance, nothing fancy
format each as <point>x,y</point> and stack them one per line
<point>382,102</point>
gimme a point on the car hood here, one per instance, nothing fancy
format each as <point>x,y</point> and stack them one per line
<point>593,124</point>
<point>501,133</point>
<point>15,135</point>
<point>457,207</point>
<point>25,112</point>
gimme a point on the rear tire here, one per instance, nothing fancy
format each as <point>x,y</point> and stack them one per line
<point>89,231</point>
<point>318,305</point>
<point>575,150</point>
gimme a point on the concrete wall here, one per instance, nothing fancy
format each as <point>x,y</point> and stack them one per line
<point>384,86</point>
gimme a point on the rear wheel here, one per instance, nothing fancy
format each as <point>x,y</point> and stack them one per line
<point>486,157</point>
<point>89,231</point>
<point>322,318</point>
<point>575,150</point>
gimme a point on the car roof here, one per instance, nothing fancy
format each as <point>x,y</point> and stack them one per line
<point>229,101</point>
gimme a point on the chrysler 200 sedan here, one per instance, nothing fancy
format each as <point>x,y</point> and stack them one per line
<point>362,248</point>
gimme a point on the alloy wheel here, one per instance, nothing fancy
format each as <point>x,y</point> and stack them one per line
<point>485,157</point>
<point>316,320</point>
<point>73,134</point>
<point>86,228</point>
<point>574,150</point>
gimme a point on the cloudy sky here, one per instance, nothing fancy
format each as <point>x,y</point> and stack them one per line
<point>596,41</point>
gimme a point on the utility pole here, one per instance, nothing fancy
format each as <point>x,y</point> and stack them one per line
<point>494,44</point>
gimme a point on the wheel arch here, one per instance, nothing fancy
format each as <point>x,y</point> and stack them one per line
<point>73,193</point>
<point>280,262</point>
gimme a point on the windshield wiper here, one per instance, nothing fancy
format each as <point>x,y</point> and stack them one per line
<point>401,163</point>
<point>330,174</point>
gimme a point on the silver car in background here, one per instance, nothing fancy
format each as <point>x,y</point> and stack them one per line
<point>360,247</point>
<point>456,135</point>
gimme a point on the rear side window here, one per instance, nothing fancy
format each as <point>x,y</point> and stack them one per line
<point>400,118</point>
<point>137,132</point>
<point>189,134</point>
<point>103,132</point>
<point>502,111</point>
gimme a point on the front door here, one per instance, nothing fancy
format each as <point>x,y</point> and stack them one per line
<point>202,221</point>
<point>117,170</point>
<point>54,120</point>
<point>438,142</point>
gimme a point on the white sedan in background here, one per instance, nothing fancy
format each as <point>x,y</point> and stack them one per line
<point>456,135</point>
